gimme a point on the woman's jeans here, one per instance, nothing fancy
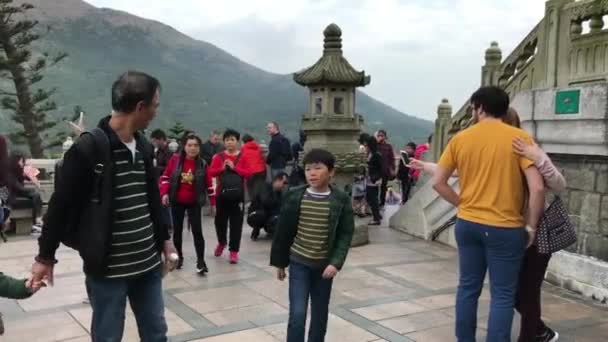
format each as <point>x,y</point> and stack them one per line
<point>499,250</point>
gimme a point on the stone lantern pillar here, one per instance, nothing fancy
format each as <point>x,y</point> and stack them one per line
<point>491,70</point>
<point>442,125</point>
<point>331,122</point>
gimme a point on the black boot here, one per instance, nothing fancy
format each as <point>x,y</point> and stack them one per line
<point>201,267</point>
<point>255,234</point>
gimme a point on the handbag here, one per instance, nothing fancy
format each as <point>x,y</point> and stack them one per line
<point>555,230</point>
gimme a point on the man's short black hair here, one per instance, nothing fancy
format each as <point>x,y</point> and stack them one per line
<point>383,132</point>
<point>131,88</point>
<point>493,100</point>
<point>275,124</point>
<point>412,145</point>
<point>321,156</point>
<point>363,137</point>
<point>247,138</point>
<point>229,132</point>
<point>280,175</point>
<point>158,134</point>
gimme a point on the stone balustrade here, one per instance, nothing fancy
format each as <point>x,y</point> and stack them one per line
<point>588,53</point>
<point>557,53</point>
<point>517,70</point>
<point>557,78</point>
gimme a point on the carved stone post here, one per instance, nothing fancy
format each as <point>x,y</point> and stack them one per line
<point>442,125</point>
<point>490,72</point>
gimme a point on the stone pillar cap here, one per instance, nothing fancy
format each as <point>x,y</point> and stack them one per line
<point>493,53</point>
<point>445,108</point>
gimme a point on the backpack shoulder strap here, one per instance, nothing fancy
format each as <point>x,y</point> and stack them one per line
<point>98,152</point>
<point>96,148</point>
<point>238,157</point>
<point>221,154</point>
<point>101,141</point>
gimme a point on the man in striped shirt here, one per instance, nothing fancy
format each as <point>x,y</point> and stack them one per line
<point>110,184</point>
<point>313,236</point>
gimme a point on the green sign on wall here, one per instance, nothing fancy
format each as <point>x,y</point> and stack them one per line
<point>567,101</point>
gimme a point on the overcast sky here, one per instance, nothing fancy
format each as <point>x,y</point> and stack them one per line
<point>417,51</point>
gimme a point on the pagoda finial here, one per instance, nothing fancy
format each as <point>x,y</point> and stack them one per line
<point>333,38</point>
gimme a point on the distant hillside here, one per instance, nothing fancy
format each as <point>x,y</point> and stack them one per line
<point>203,86</point>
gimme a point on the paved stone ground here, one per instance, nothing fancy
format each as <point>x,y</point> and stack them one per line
<point>396,289</point>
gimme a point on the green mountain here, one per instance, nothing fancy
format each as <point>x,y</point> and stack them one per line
<point>203,86</point>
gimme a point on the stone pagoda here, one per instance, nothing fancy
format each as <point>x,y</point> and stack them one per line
<point>331,122</point>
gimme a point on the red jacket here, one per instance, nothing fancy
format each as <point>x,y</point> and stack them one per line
<point>217,167</point>
<point>252,153</point>
<point>186,192</point>
<point>418,154</point>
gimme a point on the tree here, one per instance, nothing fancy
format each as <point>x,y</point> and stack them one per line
<point>177,131</point>
<point>29,106</point>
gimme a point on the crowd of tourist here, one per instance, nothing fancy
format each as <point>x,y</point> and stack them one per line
<point>122,203</point>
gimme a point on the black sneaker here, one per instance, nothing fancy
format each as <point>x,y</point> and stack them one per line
<point>548,336</point>
<point>201,268</point>
<point>180,263</point>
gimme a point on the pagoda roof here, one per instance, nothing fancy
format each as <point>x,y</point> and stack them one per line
<point>332,67</point>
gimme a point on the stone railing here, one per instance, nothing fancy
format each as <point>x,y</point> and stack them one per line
<point>558,81</point>
<point>517,70</point>
<point>588,51</point>
<point>557,53</point>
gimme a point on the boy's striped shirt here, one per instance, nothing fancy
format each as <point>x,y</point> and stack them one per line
<point>311,244</point>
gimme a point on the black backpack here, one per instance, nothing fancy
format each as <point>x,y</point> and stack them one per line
<point>95,149</point>
<point>231,183</point>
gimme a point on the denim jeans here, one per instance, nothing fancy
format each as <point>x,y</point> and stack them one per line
<point>307,282</point>
<point>108,299</point>
<point>499,250</point>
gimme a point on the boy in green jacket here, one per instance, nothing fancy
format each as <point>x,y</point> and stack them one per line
<point>313,236</point>
<point>15,289</point>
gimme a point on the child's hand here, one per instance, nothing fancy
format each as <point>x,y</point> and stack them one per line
<point>34,286</point>
<point>281,274</point>
<point>330,272</point>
